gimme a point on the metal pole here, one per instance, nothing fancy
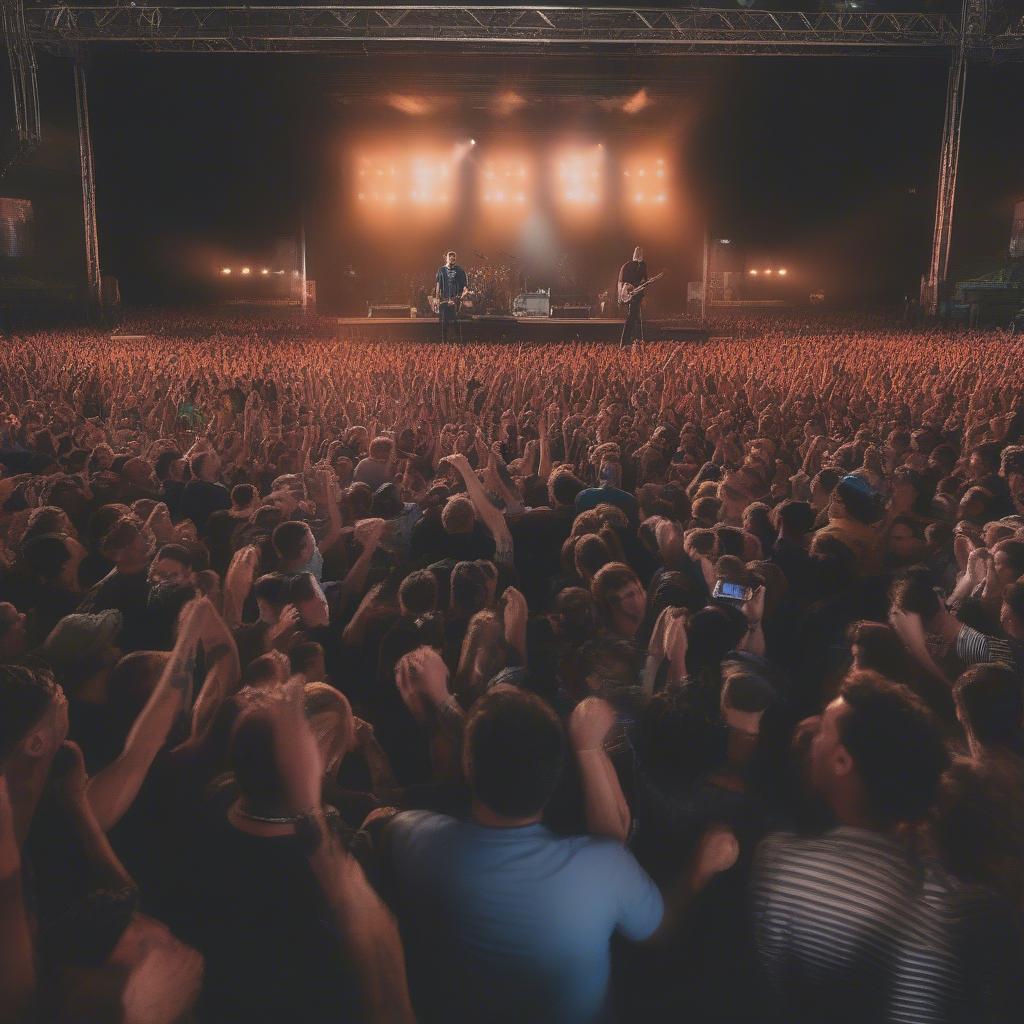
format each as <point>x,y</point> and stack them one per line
<point>92,245</point>
<point>302,259</point>
<point>704,281</point>
<point>949,161</point>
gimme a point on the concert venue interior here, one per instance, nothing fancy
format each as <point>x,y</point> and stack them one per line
<point>512,513</point>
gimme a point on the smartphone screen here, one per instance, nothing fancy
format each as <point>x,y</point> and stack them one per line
<point>732,591</point>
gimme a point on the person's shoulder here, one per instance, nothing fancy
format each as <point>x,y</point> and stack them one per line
<point>839,847</point>
<point>411,837</point>
<point>422,823</point>
<point>604,854</point>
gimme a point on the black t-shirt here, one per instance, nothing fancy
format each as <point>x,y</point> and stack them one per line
<point>430,539</point>
<point>128,593</point>
<point>260,920</point>
<point>633,272</point>
<point>201,499</point>
<point>538,536</point>
<point>49,603</point>
<point>220,528</point>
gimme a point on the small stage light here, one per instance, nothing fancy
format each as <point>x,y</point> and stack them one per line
<point>753,273</point>
<point>226,270</point>
<point>246,271</point>
<point>782,272</point>
<point>472,142</point>
<point>768,270</point>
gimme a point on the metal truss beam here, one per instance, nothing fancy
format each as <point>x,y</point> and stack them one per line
<point>92,244</point>
<point>21,60</point>
<point>509,29</point>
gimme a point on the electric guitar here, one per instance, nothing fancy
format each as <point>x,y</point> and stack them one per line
<point>628,292</point>
<point>455,302</point>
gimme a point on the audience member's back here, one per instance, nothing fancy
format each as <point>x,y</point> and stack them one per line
<point>505,921</point>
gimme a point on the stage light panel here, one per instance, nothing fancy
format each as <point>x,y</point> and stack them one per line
<point>645,181</point>
<point>579,177</point>
<point>504,180</point>
<point>415,181</point>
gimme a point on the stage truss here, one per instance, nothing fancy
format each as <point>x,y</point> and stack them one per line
<point>529,29</point>
<point>981,32</point>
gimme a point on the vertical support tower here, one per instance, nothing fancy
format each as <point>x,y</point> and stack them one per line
<point>92,245</point>
<point>949,160</point>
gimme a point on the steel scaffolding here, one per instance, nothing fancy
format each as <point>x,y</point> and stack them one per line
<point>945,192</point>
<point>21,61</point>
<point>92,242</point>
<point>521,28</point>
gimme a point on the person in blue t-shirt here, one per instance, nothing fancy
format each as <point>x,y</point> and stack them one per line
<point>504,920</point>
<point>608,493</point>
<point>508,921</point>
<point>449,287</point>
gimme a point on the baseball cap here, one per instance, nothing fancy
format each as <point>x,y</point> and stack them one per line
<point>77,637</point>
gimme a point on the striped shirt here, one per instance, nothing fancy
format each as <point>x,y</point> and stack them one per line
<point>851,928</point>
<point>973,647</point>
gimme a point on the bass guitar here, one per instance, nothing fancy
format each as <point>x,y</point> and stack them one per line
<point>628,292</point>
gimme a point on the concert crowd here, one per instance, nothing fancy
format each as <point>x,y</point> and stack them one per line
<point>477,683</point>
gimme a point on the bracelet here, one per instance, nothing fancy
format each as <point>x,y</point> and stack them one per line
<point>308,832</point>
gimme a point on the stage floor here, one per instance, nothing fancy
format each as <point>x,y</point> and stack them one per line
<point>511,330</point>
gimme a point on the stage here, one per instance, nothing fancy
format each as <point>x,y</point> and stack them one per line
<point>510,330</point>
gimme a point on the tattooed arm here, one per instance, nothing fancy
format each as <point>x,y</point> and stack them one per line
<point>112,790</point>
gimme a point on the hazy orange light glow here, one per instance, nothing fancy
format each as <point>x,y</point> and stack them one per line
<point>637,102</point>
<point>246,271</point>
<point>508,102</point>
<point>579,177</point>
<point>417,180</point>
<point>505,182</point>
<point>416,106</point>
<point>646,180</point>
<point>226,270</point>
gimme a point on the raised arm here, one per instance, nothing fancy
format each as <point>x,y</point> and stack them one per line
<point>367,533</point>
<point>329,482</point>
<point>223,671</point>
<point>490,516</point>
<point>112,790</point>
<point>238,583</point>
<point>365,928</point>
<point>606,809</point>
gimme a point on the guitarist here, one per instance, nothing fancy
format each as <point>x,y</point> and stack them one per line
<point>633,273</point>
<point>450,286</point>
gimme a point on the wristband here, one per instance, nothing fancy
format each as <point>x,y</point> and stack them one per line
<point>310,829</point>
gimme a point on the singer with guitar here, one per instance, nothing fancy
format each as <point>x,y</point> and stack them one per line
<point>633,282</point>
<point>450,287</point>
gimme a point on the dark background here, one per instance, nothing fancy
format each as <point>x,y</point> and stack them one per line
<point>826,165</point>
